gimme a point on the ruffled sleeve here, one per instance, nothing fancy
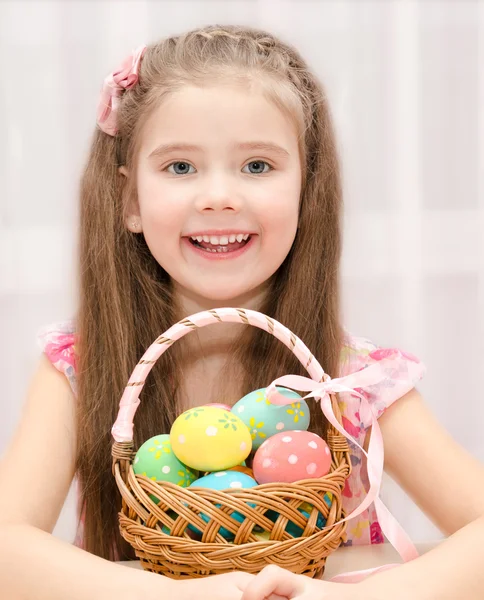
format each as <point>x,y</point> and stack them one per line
<point>398,372</point>
<point>57,341</point>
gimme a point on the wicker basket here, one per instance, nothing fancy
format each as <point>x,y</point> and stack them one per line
<point>177,554</point>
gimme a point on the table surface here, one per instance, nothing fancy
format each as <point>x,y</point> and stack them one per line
<point>350,558</point>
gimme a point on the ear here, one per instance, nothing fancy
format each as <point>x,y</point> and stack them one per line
<point>133,216</point>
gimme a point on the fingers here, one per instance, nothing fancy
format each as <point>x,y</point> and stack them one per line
<point>243,580</point>
<point>273,582</point>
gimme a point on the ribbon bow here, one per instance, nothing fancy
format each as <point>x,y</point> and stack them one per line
<point>392,530</point>
<point>123,78</point>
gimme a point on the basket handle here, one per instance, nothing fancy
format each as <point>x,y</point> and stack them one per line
<point>122,429</point>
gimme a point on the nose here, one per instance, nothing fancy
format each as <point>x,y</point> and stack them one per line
<point>220,193</point>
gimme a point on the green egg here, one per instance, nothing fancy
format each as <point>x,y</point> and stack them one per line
<point>265,419</point>
<point>155,459</point>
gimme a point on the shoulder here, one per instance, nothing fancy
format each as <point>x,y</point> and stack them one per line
<point>396,372</point>
<point>360,352</point>
<point>58,342</point>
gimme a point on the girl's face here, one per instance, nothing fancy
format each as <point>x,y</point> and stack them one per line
<point>219,181</point>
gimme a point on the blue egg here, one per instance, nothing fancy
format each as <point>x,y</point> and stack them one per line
<point>224,480</point>
<point>265,419</point>
<point>305,509</point>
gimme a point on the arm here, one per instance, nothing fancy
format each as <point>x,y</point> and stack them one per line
<point>34,564</point>
<point>448,485</point>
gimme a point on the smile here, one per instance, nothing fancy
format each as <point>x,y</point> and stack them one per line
<point>223,243</point>
<point>224,249</point>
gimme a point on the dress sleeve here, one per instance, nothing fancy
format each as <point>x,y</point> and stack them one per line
<point>57,341</point>
<point>399,373</point>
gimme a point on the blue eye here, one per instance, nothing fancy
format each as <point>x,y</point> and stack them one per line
<point>259,164</point>
<point>183,171</point>
<point>182,168</point>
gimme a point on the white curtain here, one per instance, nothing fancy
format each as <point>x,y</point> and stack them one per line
<point>406,85</point>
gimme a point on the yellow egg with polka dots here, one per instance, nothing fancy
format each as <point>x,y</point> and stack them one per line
<point>207,438</point>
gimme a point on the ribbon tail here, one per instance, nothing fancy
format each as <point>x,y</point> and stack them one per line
<point>395,533</point>
<point>357,576</point>
<point>390,527</point>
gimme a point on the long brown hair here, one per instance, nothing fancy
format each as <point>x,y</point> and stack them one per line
<point>126,298</point>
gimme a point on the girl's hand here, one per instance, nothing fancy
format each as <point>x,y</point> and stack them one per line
<point>274,583</point>
<point>229,586</point>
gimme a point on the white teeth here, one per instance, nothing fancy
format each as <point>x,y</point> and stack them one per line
<point>221,240</point>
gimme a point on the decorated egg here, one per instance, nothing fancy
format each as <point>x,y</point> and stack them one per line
<point>292,456</point>
<point>207,438</point>
<point>217,405</point>
<point>224,480</point>
<point>305,509</point>
<point>242,469</point>
<point>265,419</point>
<point>262,536</point>
<point>155,459</point>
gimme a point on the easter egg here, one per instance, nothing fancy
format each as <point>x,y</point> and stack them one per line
<point>207,438</point>
<point>292,456</point>
<point>217,405</point>
<point>265,419</point>
<point>241,469</point>
<point>155,459</point>
<point>224,480</point>
<point>262,536</point>
<point>305,509</point>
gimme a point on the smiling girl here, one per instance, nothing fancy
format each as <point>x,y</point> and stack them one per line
<point>213,181</point>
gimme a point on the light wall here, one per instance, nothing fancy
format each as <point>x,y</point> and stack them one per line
<point>405,80</point>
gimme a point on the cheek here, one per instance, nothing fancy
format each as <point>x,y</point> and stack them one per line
<point>160,210</point>
<point>279,212</point>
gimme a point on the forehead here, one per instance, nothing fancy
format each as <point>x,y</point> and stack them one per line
<point>217,115</point>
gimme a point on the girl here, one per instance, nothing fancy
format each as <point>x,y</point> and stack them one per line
<point>212,181</point>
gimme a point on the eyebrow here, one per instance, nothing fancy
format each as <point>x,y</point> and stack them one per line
<point>180,147</point>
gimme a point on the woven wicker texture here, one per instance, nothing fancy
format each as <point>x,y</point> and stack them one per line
<point>269,507</point>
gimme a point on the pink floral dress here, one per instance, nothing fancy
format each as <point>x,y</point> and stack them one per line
<point>402,372</point>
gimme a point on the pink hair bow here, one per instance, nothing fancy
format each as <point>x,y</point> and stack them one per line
<point>123,78</point>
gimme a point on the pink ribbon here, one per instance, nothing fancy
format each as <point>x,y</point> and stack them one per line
<point>123,78</point>
<point>62,349</point>
<point>392,530</point>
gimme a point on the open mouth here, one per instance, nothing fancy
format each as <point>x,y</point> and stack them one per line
<point>227,244</point>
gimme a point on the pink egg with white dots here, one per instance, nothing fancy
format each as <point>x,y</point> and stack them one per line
<point>291,456</point>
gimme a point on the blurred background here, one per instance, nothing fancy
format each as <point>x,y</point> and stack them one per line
<point>406,85</point>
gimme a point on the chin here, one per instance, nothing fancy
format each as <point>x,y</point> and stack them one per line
<point>223,297</point>
<point>220,295</point>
